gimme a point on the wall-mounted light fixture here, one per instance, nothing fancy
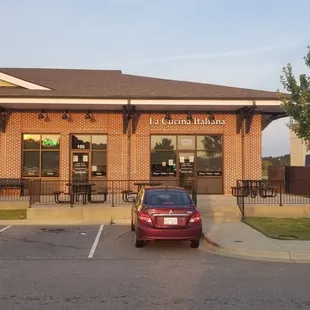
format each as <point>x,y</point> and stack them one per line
<point>211,117</point>
<point>41,114</point>
<point>167,117</point>
<point>88,115</point>
<point>65,115</point>
<point>189,117</point>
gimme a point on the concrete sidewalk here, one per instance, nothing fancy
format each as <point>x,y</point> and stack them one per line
<point>240,240</point>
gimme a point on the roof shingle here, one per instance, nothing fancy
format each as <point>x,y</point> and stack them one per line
<point>114,84</point>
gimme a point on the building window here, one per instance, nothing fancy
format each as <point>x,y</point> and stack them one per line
<point>209,156</point>
<point>163,155</point>
<point>186,143</point>
<point>41,155</point>
<point>89,156</point>
<point>204,155</point>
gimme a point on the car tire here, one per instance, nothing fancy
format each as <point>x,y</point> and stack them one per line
<point>132,226</point>
<point>138,243</point>
<point>195,244</point>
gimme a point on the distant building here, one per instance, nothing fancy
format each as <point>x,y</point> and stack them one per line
<point>299,154</point>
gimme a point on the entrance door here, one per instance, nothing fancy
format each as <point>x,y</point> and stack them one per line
<point>186,163</point>
<point>80,166</point>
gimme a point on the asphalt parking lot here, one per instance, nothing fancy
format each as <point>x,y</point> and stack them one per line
<point>71,267</point>
<point>80,242</point>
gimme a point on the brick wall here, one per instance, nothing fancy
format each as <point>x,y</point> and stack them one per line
<point>111,124</point>
<point>105,123</point>
<point>253,150</point>
<point>232,150</point>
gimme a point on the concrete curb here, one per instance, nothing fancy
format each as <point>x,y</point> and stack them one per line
<point>208,238</point>
<point>268,256</point>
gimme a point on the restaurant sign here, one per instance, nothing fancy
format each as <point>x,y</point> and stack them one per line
<point>50,143</point>
<point>195,121</point>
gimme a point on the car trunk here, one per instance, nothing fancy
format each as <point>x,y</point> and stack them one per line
<point>170,216</point>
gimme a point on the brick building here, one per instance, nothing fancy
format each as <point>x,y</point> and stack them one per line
<point>60,124</point>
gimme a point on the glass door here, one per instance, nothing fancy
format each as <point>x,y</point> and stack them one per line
<point>186,164</point>
<point>80,166</point>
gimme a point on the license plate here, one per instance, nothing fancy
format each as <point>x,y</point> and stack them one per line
<point>170,221</point>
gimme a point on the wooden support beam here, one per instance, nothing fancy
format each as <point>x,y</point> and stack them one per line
<point>135,119</point>
<point>130,114</point>
<point>240,118</point>
<point>245,114</point>
<point>3,119</point>
<point>249,119</point>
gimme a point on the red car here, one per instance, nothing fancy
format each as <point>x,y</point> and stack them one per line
<point>165,213</point>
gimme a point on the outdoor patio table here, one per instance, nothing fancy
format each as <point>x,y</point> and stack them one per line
<point>80,188</point>
<point>141,184</point>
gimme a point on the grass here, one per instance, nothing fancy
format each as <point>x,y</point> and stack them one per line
<point>13,214</point>
<point>286,229</point>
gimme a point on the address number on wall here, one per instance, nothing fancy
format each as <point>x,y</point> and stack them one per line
<point>81,146</point>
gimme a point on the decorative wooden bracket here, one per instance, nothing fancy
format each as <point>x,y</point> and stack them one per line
<point>3,119</point>
<point>126,117</point>
<point>249,118</point>
<point>130,114</point>
<point>135,119</point>
<point>272,117</point>
<point>245,114</point>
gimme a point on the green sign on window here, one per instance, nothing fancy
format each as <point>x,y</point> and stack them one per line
<point>50,143</point>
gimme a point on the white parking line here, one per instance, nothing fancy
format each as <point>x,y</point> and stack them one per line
<point>93,249</point>
<point>5,228</point>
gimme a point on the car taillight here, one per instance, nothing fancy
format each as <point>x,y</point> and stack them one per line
<point>195,218</point>
<point>144,218</point>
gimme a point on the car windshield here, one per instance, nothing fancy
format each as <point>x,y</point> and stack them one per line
<point>167,197</point>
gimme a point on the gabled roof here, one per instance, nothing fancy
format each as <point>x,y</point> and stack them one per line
<point>113,84</point>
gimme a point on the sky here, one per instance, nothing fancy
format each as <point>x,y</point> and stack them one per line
<point>240,43</point>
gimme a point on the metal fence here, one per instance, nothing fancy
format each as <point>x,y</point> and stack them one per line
<point>69,192</point>
<point>263,192</point>
<point>14,189</point>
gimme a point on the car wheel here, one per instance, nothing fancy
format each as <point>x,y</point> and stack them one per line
<point>138,243</point>
<point>132,226</point>
<point>195,244</point>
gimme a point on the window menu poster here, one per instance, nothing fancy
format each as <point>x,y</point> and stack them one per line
<point>80,167</point>
<point>186,168</point>
<point>164,173</point>
<point>209,173</point>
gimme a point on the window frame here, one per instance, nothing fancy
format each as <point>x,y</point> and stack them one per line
<point>40,150</point>
<point>210,173</point>
<point>89,152</point>
<point>174,150</point>
<point>195,150</point>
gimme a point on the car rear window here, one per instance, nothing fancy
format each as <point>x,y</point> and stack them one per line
<point>167,197</point>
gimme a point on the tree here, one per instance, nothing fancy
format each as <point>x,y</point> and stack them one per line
<point>165,144</point>
<point>297,105</point>
<point>266,164</point>
<point>212,143</point>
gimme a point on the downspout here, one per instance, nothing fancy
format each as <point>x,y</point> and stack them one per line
<point>242,151</point>
<point>243,139</point>
<point>129,143</point>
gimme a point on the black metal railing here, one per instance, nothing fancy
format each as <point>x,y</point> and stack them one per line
<point>240,203</point>
<point>69,192</point>
<point>14,189</point>
<point>262,192</point>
